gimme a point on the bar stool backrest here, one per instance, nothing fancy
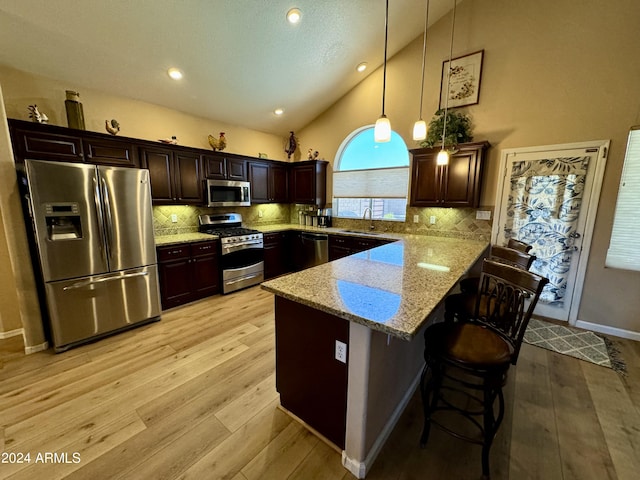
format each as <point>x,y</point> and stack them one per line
<point>505,301</point>
<point>518,245</point>
<point>512,257</point>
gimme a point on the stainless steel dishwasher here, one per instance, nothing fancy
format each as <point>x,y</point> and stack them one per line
<point>315,249</point>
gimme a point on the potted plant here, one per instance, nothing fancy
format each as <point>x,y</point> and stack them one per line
<point>458,130</point>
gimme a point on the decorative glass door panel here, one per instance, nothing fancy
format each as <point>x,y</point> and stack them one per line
<point>542,204</point>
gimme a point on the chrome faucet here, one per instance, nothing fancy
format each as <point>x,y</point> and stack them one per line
<point>364,217</point>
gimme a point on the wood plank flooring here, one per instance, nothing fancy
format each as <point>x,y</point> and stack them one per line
<point>193,397</point>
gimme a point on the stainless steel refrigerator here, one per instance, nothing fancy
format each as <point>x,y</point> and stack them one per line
<point>93,229</point>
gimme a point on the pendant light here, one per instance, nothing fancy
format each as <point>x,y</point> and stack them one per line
<point>382,130</point>
<point>443,155</point>
<point>420,127</point>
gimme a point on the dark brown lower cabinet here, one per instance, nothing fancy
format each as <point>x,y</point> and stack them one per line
<point>276,258</point>
<point>312,384</point>
<point>188,272</point>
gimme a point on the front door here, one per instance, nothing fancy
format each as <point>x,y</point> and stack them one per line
<point>548,198</point>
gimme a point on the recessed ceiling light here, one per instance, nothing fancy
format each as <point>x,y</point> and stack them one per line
<point>278,111</point>
<point>361,67</point>
<point>175,73</point>
<point>294,15</point>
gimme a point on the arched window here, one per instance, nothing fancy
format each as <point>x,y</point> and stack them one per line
<point>371,175</point>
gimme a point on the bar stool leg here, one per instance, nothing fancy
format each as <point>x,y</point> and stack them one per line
<point>430,392</point>
<point>491,424</point>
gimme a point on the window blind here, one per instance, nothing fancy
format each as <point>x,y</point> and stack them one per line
<point>373,183</point>
<point>624,246</point>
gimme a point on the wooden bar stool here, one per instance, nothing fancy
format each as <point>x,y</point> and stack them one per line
<point>472,358</point>
<point>460,305</point>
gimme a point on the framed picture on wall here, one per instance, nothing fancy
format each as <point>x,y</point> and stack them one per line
<point>464,88</point>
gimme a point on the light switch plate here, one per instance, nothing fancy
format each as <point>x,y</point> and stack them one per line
<point>174,218</point>
<point>416,218</point>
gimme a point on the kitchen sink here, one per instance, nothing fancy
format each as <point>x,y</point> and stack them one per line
<point>361,232</point>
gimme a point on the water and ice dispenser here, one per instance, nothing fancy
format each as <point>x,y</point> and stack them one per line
<point>63,221</point>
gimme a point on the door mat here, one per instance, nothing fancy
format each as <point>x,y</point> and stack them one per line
<point>582,344</point>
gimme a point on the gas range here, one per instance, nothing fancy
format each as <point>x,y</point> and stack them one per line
<point>241,250</point>
<point>228,228</point>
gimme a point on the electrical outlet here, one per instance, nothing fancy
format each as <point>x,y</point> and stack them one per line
<point>341,351</point>
<point>174,218</point>
<point>483,215</point>
<point>416,218</point>
<point>432,219</point>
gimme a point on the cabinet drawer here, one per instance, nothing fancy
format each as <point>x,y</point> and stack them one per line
<point>205,248</point>
<point>175,252</point>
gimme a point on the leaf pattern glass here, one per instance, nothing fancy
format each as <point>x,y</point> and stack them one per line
<point>543,206</point>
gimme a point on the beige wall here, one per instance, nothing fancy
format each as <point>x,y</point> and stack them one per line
<point>555,71</point>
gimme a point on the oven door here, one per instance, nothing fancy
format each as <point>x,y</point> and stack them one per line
<point>242,266</point>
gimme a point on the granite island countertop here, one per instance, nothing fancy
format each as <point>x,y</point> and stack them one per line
<point>392,288</point>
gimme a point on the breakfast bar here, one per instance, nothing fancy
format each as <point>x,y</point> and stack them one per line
<point>349,346</point>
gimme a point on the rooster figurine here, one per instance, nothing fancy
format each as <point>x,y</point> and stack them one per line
<point>218,144</point>
<point>112,127</point>
<point>291,146</point>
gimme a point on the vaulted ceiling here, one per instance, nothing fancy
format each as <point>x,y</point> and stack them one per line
<point>241,59</point>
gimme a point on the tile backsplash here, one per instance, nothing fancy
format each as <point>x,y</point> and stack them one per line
<point>187,216</point>
<point>449,222</point>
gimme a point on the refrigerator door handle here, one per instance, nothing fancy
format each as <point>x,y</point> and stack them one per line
<point>99,218</point>
<point>109,218</point>
<point>87,283</point>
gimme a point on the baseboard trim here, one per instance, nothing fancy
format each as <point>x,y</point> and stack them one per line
<point>607,330</point>
<point>11,333</point>
<point>36,348</point>
<point>360,469</point>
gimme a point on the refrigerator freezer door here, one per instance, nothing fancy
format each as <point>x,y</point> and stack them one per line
<point>67,216</point>
<point>126,196</point>
<point>87,307</point>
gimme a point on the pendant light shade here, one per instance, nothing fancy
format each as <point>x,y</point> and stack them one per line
<point>420,130</point>
<point>443,155</point>
<point>382,130</point>
<point>442,158</point>
<point>420,127</point>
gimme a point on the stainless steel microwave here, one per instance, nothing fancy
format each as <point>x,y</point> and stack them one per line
<point>228,193</point>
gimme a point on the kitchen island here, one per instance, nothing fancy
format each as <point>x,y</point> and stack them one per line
<point>370,309</point>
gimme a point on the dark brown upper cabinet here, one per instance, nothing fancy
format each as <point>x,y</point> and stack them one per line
<point>110,151</point>
<point>224,167</point>
<point>176,176</point>
<point>308,182</point>
<point>457,184</point>
<point>269,182</point>
<point>50,142</point>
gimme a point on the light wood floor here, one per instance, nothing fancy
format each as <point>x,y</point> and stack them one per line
<point>193,397</point>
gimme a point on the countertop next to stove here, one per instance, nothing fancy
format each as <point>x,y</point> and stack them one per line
<point>183,238</point>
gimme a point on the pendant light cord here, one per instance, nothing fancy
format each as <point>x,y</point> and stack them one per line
<point>424,56</point>
<point>446,103</point>
<point>384,69</point>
